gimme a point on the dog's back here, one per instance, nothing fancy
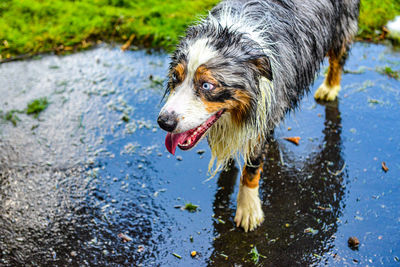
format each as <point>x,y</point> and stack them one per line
<point>298,33</point>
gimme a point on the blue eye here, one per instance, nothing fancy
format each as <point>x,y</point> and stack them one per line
<point>174,78</point>
<point>207,86</point>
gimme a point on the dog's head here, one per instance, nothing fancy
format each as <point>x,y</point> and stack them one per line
<point>214,76</point>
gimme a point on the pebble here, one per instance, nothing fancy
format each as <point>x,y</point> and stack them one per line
<point>353,242</point>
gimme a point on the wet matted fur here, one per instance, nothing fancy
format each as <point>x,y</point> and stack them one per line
<point>239,70</point>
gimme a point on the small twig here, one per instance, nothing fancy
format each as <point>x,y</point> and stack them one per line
<point>176,255</point>
<point>281,157</point>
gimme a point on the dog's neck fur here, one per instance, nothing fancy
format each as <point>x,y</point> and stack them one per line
<point>226,139</point>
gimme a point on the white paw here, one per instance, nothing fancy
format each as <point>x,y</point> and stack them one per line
<point>249,214</point>
<point>326,92</point>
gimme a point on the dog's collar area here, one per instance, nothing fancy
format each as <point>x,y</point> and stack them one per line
<point>190,138</point>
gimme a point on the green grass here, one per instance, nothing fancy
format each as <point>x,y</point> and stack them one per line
<point>36,26</point>
<point>374,15</point>
<point>33,26</point>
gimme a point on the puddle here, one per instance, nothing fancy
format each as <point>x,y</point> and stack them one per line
<point>93,166</point>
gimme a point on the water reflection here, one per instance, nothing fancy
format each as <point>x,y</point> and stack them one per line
<point>303,200</point>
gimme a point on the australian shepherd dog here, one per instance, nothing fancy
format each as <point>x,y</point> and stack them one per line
<point>238,71</point>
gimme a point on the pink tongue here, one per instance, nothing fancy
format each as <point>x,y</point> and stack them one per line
<point>172,141</point>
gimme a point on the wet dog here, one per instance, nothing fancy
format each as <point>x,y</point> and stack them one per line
<point>237,72</point>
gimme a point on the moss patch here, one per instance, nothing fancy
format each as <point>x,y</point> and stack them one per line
<point>190,207</point>
<point>11,116</point>
<point>36,106</point>
<point>388,71</point>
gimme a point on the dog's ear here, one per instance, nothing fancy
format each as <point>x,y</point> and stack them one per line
<point>264,66</point>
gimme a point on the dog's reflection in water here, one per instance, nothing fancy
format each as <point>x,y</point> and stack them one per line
<point>302,201</point>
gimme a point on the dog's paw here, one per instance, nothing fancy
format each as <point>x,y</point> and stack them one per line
<point>326,92</point>
<point>249,214</point>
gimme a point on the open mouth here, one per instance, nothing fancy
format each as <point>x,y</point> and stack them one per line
<point>190,138</point>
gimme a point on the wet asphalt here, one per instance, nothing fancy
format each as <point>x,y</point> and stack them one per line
<point>93,166</point>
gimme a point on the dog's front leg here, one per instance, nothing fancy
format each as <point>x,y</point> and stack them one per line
<point>249,213</point>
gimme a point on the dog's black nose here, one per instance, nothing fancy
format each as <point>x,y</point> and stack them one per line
<point>168,121</point>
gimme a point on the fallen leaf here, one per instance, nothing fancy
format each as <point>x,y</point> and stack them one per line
<point>384,167</point>
<point>193,253</point>
<point>128,43</point>
<point>295,140</point>
<point>310,230</point>
<point>124,237</point>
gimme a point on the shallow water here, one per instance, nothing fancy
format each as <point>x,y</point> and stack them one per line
<point>75,178</point>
